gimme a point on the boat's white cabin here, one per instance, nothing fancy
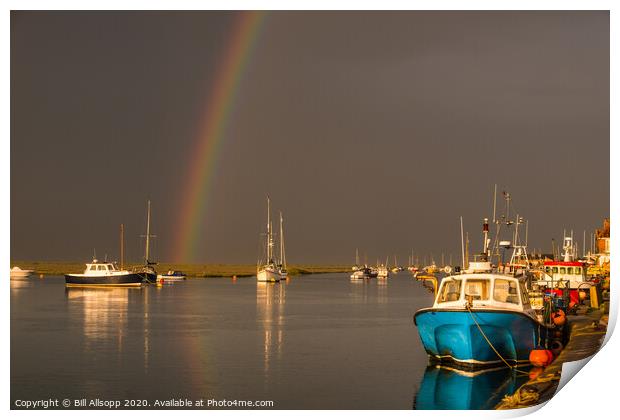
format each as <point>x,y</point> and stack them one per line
<point>559,274</point>
<point>102,269</point>
<point>483,290</point>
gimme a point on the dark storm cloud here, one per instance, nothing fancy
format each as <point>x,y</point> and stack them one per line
<point>374,130</point>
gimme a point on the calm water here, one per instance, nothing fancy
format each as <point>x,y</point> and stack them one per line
<point>318,341</point>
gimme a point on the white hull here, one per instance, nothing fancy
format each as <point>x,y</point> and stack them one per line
<point>17,273</point>
<point>165,278</point>
<point>268,274</point>
<point>359,276</point>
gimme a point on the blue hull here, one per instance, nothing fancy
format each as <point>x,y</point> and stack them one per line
<point>451,336</point>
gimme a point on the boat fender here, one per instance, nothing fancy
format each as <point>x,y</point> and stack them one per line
<point>558,317</point>
<point>540,357</point>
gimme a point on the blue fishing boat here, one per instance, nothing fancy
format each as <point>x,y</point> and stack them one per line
<point>479,320</point>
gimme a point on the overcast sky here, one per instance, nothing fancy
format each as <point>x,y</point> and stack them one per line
<point>369,130</point>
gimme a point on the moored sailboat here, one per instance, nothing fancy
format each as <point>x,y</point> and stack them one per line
<point>268,269</point>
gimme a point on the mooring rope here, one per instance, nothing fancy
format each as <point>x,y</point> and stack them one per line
<point>491,345</point>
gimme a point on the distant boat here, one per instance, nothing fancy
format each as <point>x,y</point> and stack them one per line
<point>268,270</point>
<point>103,274</point>
<point>397,268</point>
<point>382,271</point>
<point>412,268</point>
<point>18,273</point>
<point>171,276</point>
<point>361,274</point>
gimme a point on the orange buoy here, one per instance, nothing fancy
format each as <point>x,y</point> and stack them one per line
<point>234,278</point>
<point>540,357</point>
<point>582,295</point>
<point>558,317</point>
<point>556,347</point>
<point>572,304</point>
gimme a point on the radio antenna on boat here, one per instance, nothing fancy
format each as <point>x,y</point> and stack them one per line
<point>494,202</point>
<point>462,244</point>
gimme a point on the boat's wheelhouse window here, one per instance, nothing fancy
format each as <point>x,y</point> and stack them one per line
<point>506,291</point>
<point>101,267</point>
<point>450,291</point>
<point>555,270</point>
<point>478,289</point>
<point>569,270</point>
<point>562,270</point>
<point>577,270</point>
<point>110,267</point>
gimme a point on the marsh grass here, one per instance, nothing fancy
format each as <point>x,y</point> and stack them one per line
<point>192,270</point>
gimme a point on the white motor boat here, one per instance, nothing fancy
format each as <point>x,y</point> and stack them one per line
<point>18,273</point>
<point>103,274</point>
<point>171,276</point>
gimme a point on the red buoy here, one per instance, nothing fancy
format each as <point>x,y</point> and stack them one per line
<point>558,317</point>
<point>540,357</point>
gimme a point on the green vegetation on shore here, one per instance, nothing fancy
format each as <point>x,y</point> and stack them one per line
<point>192,270</point>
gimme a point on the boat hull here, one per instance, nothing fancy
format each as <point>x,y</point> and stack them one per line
<point>268,275</point>
<point>131,279</point>
<point>453,336</point>
<point>20,274</point>
<point>170,279</point>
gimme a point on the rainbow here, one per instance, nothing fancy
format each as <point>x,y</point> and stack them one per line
<point>219,109</point>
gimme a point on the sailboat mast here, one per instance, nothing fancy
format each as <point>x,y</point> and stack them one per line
<point>122,246</point>
<point>269,233</point>
<point>148,231</point>
<point>282,255</point>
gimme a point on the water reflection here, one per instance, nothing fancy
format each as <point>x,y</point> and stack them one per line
<point>270,301</point>
<point>445,388</point>
<point>382,291</point>
<point>359,291</point>
<point>102,313</point>
<point>19,285</point>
